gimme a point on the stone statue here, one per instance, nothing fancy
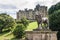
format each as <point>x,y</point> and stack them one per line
<point>39,21</point>
<point>45,22</point>
<point>42,20</point>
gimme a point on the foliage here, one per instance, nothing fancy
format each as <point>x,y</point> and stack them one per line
<point>25,22</point>
<point>20,28</point>
<point>54,8</point>
<point>6,22</point>
<point>18,21</point>
<point>55,21</point>
<point>19,31</point>
<point>54,18</point>
<point>10,36</point>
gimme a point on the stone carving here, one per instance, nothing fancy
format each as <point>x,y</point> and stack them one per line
<point>39,21</point>
<point>45,21</point>
<point>42,20</point>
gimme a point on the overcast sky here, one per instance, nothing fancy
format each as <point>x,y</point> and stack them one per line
<point>12,6</point>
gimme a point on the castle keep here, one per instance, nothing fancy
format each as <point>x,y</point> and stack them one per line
<point>30,14</point>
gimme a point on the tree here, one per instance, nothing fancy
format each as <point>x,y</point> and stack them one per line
<point>54,18</point>
<point>54,11</point>
<point>6,22</point>
<point>25,22</point>
<point>55,21</point>
<point>19,31</point>
<point>54,8</point>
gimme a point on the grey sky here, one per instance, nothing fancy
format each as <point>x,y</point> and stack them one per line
<point>12,6</point>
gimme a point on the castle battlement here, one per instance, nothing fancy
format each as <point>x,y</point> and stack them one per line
<point>30,13</point>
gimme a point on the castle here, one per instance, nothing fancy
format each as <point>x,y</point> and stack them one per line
<point>30,14</point>
<point>38,33</point>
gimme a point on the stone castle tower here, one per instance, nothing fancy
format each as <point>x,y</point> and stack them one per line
<point>30,14</point>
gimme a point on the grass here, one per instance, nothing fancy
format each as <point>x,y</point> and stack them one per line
<point>5,37</point>
<point>9,35</point>
<point>32,26</point>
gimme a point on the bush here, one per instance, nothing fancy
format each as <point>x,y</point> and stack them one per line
<point>6,22</point>
<point>19,31</point>
<point>25,22</point>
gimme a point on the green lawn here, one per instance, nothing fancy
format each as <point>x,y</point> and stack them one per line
<point>6,36</point>
<point>32,26</point>
<point>9,35</point>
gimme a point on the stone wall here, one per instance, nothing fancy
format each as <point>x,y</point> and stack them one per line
<point>41,35</point>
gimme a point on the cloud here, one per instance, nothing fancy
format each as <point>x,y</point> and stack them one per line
<point>12,6</point>
<point>11,12</point>
<point>21,4</point>
<point>7,6</point>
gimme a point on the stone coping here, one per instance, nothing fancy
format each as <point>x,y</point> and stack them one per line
<point>41,31</point>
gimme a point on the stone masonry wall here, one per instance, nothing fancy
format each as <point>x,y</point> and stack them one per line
<point>37,35</point>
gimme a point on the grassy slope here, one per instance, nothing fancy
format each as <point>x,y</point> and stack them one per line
<point>31,26</point>
<point>5,36</point>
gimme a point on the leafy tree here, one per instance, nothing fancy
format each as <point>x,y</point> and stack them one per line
<point>54,18</point>
<point>25,22</point>
<point>55,21</point>
<point>6,22</point>
<point>54,8</point>
<point>18,21</point>
<point>19,31</point>
<point>54,11</point>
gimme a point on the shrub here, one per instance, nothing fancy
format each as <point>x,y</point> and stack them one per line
<point>19,31</point>
<point>6,22</point>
